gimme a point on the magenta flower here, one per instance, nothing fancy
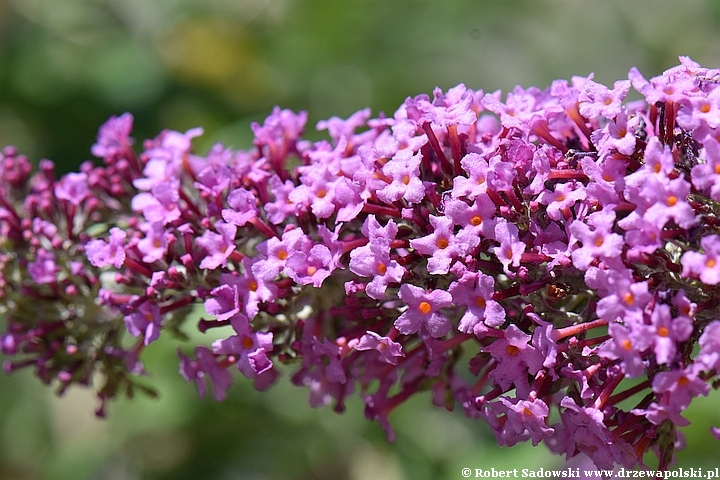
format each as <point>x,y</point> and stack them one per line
<point>102,253</point>
<point>224,301</point>
<point>282,207</point>
<point>161,205</point>
<point>250,348</point>
<point>668,201</point>
<point>667,331</point>
<point>706,265</point>
<point>373,260</point>
<point>475,291</point>
<point>205,369</point>
<point>617,135</point>
<point>710,346</point>
<point>310,268</point>
<point>213,180</point>
<point>561,199</point>
<point>218,246</point>
<point>598,242</point>
<point>73,188</point>
<point>145,321</point>
<point>404,172</point>
<point>475,184</point>
<point>707,175</point>
<point>114,137</point>
<point>276,252</point>
<point>515,357</point>
<point>524,418</point>
<point>596,99</point>
<point>242,207</point>
<point>44,268</point>
<point>451,109</point>
<point>423,311</point>
<point>701,111</point>
<point>677,388</point>
<point>154,245</point>
<point>388,350</point>
<point>511,248</point>
<point>443,245</point>
<point>627,343</point>
<point>478,217</point>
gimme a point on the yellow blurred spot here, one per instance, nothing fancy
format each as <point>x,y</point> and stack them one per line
<point>213,53</point>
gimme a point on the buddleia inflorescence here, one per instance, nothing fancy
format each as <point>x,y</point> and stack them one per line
<point>556,252</point>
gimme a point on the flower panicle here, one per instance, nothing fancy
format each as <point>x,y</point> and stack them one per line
<point>569,239</point>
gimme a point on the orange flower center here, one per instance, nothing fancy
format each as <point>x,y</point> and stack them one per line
<point>247,342</point>
<point>598,241</point>
<point>311,270</point>
<point>406,179</point>
<point>442,243</point>
<point>663,331</point>
<point>476,220</point>
<point>672,200</point>
<point>381,268</point>
<point>425,308</point>
<point>282,255</point>
<point>512,350</point>
<point>683,381</point>
<point>710,262</point>
<point>480,302</point>
<point>629,298</point>
<point>626,345</point>
<point>252,286</point>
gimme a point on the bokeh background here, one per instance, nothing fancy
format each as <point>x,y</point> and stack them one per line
<point>67,65</point>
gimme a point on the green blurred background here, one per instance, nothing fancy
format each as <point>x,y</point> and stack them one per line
<point>67,65</point>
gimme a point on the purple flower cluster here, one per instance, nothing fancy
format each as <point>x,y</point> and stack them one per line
<point>548,262</point>
<point>50,295</point>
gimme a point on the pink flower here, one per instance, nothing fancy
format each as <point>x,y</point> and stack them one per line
<point>102,253</point>
<point>596,99</point>
<point>423,311</point>
<point>515,356</point>
<point>387,349</point>
<point>706,265</point>
<point>218,246</point>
